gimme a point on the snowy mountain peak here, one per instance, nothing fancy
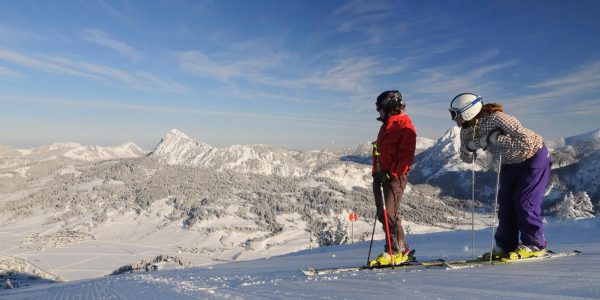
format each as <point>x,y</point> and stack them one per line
<point>449,143</point>
<point>176,134</point>
<point>177,148</point>
<point>441,164</point>
<point>131,146</point>
<point>451,135</point>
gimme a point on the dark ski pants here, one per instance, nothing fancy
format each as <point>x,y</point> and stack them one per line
<point>522,188</point>
<point>393,192</point>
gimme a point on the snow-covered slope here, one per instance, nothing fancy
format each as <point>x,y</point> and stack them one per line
<point>423,144</point>
<point>583,176</point>
<point>16,272</point>
<point>576,277</point>
<point>576,166</point>
<point>59,157</point>
<point>97,153</point>
<point>570,150</point>
<point>73,151</point>
<point>582,145</point>
<point>440,165</point>
<point>86,153</point>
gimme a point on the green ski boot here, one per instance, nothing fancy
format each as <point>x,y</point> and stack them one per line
<point>524,252</point>
<point>384,259</point>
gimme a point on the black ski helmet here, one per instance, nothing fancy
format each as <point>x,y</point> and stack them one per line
<point>390,100</point>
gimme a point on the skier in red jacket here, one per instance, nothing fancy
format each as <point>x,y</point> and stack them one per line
<point>393,154</point>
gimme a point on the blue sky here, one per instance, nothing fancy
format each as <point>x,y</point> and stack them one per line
<point>295,74</point>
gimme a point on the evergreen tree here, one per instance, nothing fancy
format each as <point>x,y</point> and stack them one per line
<point>576,206</point>
<point>328,234</point>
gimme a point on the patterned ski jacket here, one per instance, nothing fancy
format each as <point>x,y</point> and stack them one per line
<point>396,143</point>
<point>516,143</point>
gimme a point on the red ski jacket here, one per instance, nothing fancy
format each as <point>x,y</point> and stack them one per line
<point>396,143</point>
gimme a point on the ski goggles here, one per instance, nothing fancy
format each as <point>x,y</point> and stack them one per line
<point>454,113</point>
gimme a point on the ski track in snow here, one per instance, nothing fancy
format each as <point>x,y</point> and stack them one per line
<point>574,277</point>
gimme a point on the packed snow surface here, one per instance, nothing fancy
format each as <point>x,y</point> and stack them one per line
<point>575,277</point>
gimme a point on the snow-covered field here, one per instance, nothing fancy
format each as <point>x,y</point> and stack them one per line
<point>129,238</point>
<point>575,277</point>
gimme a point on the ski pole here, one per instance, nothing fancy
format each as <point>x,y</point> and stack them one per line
<point>376,154</point>
<point>387,226</point>
<point>473,197</point>
<point>473,208</point>
<point>371,244</point>
<point>375,157</point>
<point>496,204</point>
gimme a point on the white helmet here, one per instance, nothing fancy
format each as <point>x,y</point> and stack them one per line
<point>467,105</point>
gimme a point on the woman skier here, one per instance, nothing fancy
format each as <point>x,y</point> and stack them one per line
<point>524,172</point>
<point>393,154</point>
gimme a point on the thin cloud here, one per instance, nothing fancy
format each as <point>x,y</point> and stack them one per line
<point>586,77</point>
<point>340,73</point>
<point>244,59</point>
<point>39,64</point>
<point>65,66</point>
<point>99,71</point>
<point>115,13</point>
<point>329,122</point>
<point>459,77</point>
<point>585,108</point>
<point>573,85</point>
<point>366,17</point>
<point>196,62</point>
<point>161,83</point>
<point>11,34</point>
<point>345,75</point>
<point>103,39</point>
<point>262,95</point>
<point>357,7</point>
<point>9,73</point>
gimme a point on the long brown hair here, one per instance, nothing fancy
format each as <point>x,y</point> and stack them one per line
<point>486,109</point>
<point>491,108</point>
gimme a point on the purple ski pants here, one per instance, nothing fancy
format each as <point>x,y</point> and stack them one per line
<point>522,188</point>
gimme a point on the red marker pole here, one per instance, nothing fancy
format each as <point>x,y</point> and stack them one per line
<point>352,231</point>
<point>353,217</point>
<point>387,226</point>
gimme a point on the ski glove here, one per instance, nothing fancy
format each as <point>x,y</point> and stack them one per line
<point>469,148</point>
<point>490,139</point>
<point>383,177</point>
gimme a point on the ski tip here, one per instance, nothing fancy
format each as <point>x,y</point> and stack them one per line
<point>550,252</point>
<point>309,272</point>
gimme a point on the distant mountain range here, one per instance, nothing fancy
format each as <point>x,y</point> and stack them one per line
<point>437,163</point>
